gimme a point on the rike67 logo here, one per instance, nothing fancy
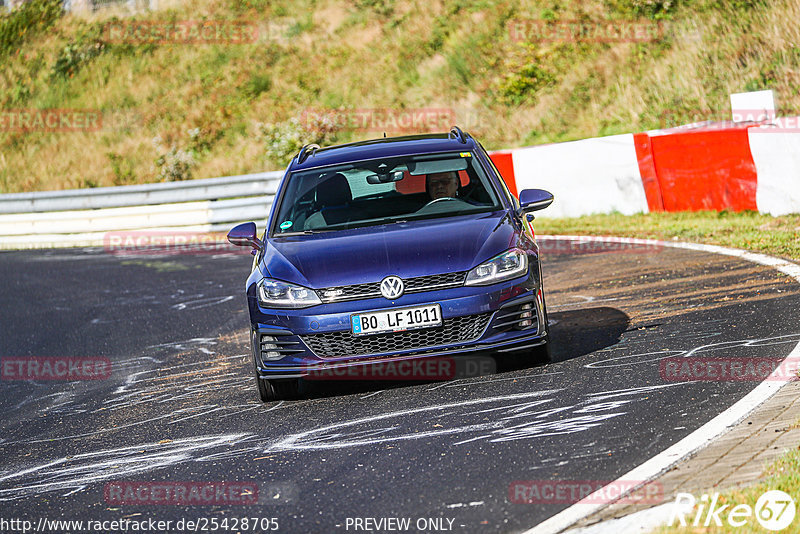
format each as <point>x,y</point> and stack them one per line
<point>774,510</point>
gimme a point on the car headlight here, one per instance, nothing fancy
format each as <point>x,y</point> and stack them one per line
<point>510,264</point>
<point>277,294</point>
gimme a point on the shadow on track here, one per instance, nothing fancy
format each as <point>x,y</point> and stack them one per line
<point>576,333</point>
<point>573,334</point>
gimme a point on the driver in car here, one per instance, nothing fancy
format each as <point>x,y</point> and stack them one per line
<point>442,185</point>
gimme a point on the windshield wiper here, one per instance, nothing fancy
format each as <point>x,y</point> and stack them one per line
<point>305,232</point>
<point>348,227</point>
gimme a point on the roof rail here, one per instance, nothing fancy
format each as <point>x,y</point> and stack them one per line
<point>307,150</point>
<point>456,132</point>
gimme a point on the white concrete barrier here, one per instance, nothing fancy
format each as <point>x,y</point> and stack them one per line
<point>776,154</point>
<point>597,175</point>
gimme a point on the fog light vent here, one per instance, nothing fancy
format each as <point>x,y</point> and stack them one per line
<point>277,347</point>
<point>526,316</point>
<point>518,317</point>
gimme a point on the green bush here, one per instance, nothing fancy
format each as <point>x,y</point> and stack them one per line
<point>72,57</point>
<point>522,86</point>
<point>257,84</point>
<point>87,45</point>
<point>29,19</point>
<point>381,7</point>
<point>283,140</point>
<point>174,164</point>
<point>122,168</point>
<point>652,9</point>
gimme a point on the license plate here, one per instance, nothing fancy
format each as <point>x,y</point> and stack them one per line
<point>396,320</point>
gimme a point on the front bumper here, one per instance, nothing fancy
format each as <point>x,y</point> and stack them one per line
<point>504,317</point>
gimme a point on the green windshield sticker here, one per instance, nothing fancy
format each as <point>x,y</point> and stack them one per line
<point>285,225</point>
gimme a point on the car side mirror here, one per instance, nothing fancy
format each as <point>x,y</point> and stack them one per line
<point>244,235</point>
<point>534,200</point>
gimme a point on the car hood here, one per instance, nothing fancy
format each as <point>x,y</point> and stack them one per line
<point>414,248</point>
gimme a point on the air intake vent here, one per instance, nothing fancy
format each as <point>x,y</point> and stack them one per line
<point>278,347</point>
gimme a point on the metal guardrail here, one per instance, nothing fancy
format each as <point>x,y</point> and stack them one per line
<point>84,217</point>
<point>141,195</point>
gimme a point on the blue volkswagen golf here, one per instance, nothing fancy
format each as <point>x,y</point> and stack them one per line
<point>389,250</point>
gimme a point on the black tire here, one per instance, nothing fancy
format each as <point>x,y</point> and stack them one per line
<point>543,353</point>
<point>265,391</point>
<point>272,390</point>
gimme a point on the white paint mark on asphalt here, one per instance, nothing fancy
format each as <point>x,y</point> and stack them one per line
<point>464,505</point>
<point>462,382</point>
<point>184,345</point>
<point>710,347</point>
<point>73,473</point>
<point>201,303</point>
<point>602,395</point>
<point>512,417</point>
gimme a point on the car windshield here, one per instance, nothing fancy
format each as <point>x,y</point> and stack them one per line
<point>384,191</point>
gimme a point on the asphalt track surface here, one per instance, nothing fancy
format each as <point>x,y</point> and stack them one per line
<point>180,404</point>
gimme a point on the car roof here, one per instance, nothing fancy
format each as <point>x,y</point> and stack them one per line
<point>384,147</point>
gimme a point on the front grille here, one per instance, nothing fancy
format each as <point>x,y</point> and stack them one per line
<point>373,289</point>
<point>454,330</point>
<point>354,292</point>
<point>424,283</point>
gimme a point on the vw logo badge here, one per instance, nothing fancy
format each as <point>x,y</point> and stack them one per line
<point>392,287</point>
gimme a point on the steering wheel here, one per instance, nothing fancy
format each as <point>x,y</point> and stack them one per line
<point>435,200</point>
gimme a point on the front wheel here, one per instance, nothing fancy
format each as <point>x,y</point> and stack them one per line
<point>543,353</point>
<point>273,390</point>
